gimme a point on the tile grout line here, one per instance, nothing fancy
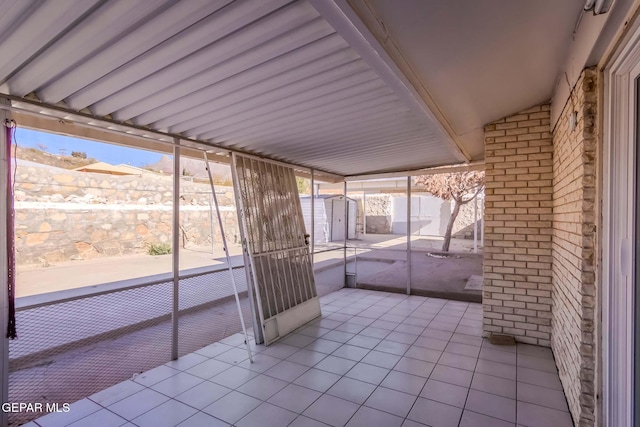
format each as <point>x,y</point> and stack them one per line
<point>469,388</point>
<point>387,310</point>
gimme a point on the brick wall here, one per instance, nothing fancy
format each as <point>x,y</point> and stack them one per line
<point>518,215</point>
<point>574,169</point>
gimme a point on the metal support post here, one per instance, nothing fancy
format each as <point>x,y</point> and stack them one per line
<point>475,225</point>
<point>408,235</point>
<point>313,215</point>
<point>228,258</point>
<point>364,212</point>
<point>175,249</point>
<point>346,231</point>
<point>5,164</point>
<point>213,231</point>
<point>482,219</point>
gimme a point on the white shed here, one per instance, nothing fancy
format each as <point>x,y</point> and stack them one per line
<point>329,217</point>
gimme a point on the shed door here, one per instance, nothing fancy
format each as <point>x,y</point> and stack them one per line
<point>273,233</point>
<point>337,220</point>
<point>352,219</point>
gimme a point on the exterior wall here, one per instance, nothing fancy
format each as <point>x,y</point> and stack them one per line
<point>574,259</point>
<point>518,215</point>
<point>540,237</point>
<point>381,218</point>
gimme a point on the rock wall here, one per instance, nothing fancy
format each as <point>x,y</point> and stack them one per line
<point>41,183</point>
<point>378,213</point>
<point>66,215</point>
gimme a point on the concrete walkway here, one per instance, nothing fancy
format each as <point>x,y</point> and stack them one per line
<point>77,274</point>
<point>376,248</point>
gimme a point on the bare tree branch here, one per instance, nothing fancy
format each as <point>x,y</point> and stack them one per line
<point>453,186</point>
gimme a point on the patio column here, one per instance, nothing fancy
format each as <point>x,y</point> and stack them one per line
<point>482,224</point>
<point>4,266</point>
<point>517,265</point>
<point>313,214</point>
<point>175,249</point>
<point>346,231</point>
<point>364,212</point>
<point>408,235</point>
<point>475,225</point>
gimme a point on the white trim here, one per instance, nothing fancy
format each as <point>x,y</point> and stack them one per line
<point>618,231</point>
<point>473,166</point>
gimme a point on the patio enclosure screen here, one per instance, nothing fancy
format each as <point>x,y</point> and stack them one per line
<point>277,250</point>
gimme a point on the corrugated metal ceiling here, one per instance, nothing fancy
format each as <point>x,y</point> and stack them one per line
<point>268,77</point>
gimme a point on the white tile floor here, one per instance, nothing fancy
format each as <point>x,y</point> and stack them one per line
<point>373,359</point>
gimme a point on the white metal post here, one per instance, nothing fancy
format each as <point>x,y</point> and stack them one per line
<point>175,250</point>
<point>482,219</point>
<point>346,232</point>
<point>408,235</point>
<point>313,215</point>
<point>364,212</point>
<point>228,258</point>
<point>5,164</point>
<point>475,225</point>
<point>212,227</point>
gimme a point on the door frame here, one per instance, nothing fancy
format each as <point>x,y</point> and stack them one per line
<point>618,230</point>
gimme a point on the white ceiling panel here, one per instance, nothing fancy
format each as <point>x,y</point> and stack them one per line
<point>321,55</point>
<point>479,60</point>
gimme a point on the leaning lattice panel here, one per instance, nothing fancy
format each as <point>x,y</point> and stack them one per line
<point>274,239</point>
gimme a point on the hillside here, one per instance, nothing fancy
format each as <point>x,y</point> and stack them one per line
<point>195,168</point>
<point>60,161</point>
<point>191,167</point>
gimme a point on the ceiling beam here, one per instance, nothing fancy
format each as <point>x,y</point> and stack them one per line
<point>357,24</point>
<point>475,166</point>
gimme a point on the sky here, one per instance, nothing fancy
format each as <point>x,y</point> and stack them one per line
<point>109,153</point>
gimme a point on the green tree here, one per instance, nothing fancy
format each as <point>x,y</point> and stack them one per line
<point>304,185</point>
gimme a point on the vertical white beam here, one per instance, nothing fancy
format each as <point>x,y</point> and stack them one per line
<point>175,250</point>
<point>346,232</point>
<point>482,219</point>
<point>4,266</point>
<point>213,231</point>
<point>475,225</point>
<point>364,212</point>
<point>408,235</point>
<point>313,214</point>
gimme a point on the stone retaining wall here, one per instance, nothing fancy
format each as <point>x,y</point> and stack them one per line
<point>66,215</point>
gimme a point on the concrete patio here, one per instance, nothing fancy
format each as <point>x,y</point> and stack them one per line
<point>373,359</point>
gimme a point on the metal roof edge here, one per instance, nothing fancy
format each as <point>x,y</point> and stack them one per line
<point>56,119</point>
